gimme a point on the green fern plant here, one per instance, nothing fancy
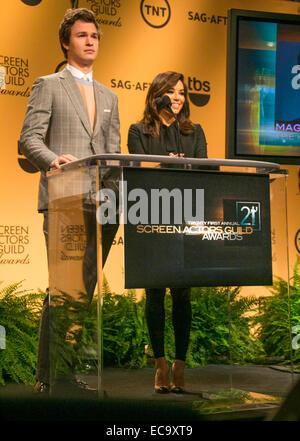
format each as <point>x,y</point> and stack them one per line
<point>221,328</point>
<point>19,315</point>
<point>277,314</point>
<point>124,330</point>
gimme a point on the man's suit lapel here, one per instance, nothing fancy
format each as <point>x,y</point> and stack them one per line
<point>99,107</point>
<point>74,94</point>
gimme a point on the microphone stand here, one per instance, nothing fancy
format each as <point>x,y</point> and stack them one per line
<point>179,143</point>
<point>165,103</point>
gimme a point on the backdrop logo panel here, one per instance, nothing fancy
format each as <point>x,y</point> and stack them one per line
<point>297,241</point>
<point>156,13</point>
<point>107,11</point>
<point>26,165</point>
<point>2,77</point>
<point>195,88</point>
<point>14,242</point>
<point>198,90</point>
<point>72,241</point>
<point>31,2</point>
<point>229,243</point>
<point>129,84</point>
<point>248,214</point>
<point>14,75</point>
<point>203,17</point>
<point>60,66</point>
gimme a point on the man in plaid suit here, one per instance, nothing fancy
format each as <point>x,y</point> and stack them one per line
<point>69,116</point>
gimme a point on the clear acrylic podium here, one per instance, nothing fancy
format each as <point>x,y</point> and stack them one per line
<point>86,257</point>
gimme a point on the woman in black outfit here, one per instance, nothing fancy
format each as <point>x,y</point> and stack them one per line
<point>167,130</point>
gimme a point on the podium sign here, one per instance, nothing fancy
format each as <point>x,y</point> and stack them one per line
<point>195,228</point>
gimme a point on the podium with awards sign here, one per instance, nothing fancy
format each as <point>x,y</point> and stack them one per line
<point>184,222</point>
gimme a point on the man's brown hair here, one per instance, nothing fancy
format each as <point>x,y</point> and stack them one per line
<point>71,16</point>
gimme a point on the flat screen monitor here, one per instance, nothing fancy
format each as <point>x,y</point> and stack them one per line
<point>263,87</point>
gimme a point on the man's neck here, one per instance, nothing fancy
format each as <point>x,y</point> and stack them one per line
<point>83,68</point>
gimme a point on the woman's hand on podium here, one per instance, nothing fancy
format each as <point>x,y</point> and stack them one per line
<point>177,155</point>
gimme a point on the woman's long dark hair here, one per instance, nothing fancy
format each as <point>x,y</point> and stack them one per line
<point>161,84</point>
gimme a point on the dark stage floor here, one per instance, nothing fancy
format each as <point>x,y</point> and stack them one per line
<point>214,392</point>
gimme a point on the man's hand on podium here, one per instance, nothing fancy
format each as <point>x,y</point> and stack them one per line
<point>63,159</point>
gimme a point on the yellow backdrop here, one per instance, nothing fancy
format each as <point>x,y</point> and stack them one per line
<point>140,39</point>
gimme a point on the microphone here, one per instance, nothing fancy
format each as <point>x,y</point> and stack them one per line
<point>164,102</point>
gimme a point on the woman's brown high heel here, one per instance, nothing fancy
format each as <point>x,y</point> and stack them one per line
<point>161,376</point>
<point>177,380</point>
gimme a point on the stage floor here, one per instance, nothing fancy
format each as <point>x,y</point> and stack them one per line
<point>213,392</point>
